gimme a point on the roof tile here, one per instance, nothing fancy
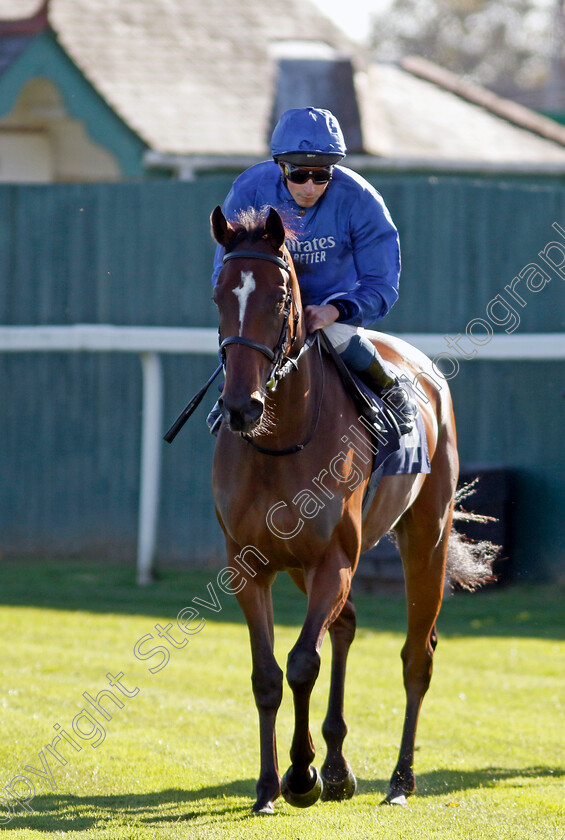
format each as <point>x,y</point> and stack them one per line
<point>199,77</point>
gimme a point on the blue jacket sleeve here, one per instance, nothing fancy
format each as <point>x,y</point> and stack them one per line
<point>376,254</point>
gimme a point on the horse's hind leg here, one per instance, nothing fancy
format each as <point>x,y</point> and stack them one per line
<point>424,570</point>
<point>339,781</point>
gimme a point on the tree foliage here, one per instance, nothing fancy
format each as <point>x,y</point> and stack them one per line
<point>502,44</point>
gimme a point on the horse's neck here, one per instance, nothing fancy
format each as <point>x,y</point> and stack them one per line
<point>301,332</point>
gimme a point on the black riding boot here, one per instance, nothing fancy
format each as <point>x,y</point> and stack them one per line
<point>214,420</point>
<point>392,393</point>
<point>361,356</point>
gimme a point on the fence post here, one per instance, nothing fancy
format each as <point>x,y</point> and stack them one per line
<point>150,467</point>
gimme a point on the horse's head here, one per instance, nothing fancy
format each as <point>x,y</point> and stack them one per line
<point>255,295</point>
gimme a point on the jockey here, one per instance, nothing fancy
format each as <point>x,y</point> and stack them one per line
<point>345,246</point>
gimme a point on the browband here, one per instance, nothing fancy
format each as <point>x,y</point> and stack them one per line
<point>253,255</point>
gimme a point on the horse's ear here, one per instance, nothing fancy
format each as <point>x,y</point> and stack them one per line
<point>275,229</point>
<point>222,231</point>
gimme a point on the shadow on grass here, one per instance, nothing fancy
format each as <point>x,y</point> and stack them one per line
<point>60,813</point>
<point>441,782</point>
<point>108,587</point>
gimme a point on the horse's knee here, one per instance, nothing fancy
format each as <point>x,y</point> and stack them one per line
<point>343,628</point>
<point>268,689</point>
<point>418,666</point>
<point>302,669</point>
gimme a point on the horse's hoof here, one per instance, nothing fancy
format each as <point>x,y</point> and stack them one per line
<point>338,791</point>
<point>302,800</point>
<point>396,799</point>
<point>264,811</point>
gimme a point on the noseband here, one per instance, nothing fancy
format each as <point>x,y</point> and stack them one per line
<point>282,364</point>
<point>276,355</point>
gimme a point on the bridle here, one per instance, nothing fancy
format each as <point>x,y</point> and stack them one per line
<point>277,355</point>
<point>282,364</point>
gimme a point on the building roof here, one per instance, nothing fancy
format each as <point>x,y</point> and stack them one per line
<point>210,79</point>
<point>16,33</point>
<point>188,76</point>
<point>417,111</point>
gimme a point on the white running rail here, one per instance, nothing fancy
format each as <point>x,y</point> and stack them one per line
<point>150,342</point>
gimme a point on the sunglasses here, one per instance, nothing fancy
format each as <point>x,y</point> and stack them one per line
<point>298,175</point>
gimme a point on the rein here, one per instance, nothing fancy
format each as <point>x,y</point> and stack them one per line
<point>282,364</point>
<point>290,450</point>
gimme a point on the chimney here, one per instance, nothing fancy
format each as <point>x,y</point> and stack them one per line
<point>314,74</point>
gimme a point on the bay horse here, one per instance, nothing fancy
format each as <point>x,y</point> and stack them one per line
<point>288,495</point>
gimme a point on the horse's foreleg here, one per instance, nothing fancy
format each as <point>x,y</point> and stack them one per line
<point>424,575</point>
<point>328,587</point>
<point>338,778</point>
<point>267,679</point>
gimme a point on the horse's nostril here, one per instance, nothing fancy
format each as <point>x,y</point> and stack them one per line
<point>245,417</point>
<point>256,409</point>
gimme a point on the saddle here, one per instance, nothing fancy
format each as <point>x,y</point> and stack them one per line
<point>369,404</point>
<point>392,453</point>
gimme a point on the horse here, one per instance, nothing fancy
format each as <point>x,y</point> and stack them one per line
<point>289,479</point>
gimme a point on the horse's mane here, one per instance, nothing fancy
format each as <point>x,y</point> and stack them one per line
<point>249,226</point>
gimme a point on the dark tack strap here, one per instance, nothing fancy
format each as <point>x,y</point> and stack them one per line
<point>254,255</point>
<point>248,342</point>
<point>291,450</point>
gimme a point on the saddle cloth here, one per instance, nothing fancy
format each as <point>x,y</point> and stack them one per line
<point>393,454</point>
<point>397,454</point>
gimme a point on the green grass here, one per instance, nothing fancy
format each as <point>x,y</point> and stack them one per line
<point>180,758</point>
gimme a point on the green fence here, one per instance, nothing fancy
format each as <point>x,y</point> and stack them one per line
<point>140,254</point>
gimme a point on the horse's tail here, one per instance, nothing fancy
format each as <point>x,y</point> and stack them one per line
<point>469,563</point>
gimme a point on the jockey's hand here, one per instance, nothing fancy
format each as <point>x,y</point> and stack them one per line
<point>318,317</point>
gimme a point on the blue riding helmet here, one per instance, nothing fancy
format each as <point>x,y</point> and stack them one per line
<point>308,137</point>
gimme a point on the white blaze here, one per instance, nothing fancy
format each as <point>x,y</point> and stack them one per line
<point>242,294</point>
